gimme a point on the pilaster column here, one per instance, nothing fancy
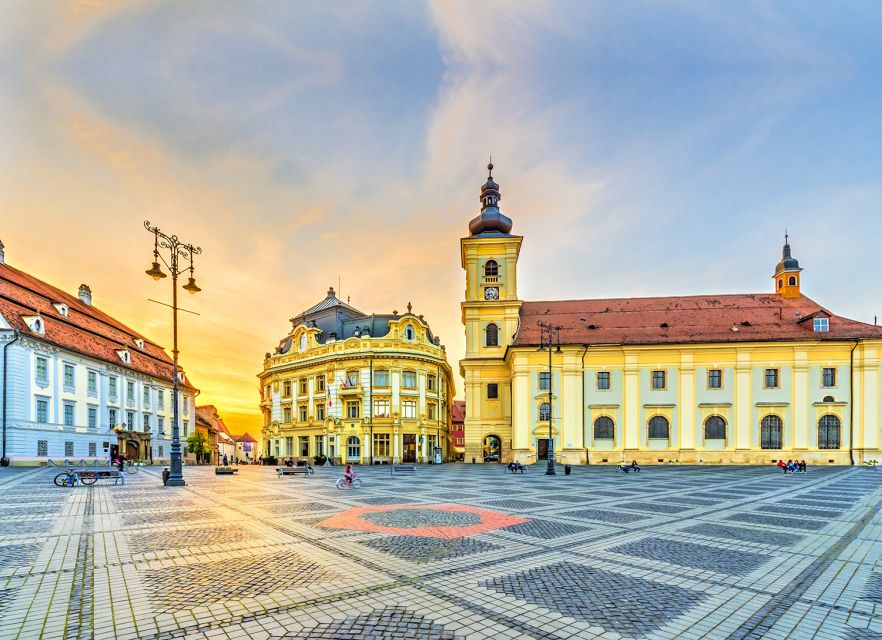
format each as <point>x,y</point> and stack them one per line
<point>631,402</point>
<point>800,400</point>
<point>687,401</point>
<point>742,422</point>
<point>520,402</point>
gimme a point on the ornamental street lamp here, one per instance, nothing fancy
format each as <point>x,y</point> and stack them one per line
<point>549,336</point>
<point>177,250</point>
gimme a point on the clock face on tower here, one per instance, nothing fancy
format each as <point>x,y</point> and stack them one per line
<point>491,293</point>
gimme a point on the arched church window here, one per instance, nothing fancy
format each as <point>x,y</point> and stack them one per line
<point>492,335</point>
<point>714,428</point>
<point>544,411</point>
<point>491,268</point>
<point>828,432</point>
<point>780,282</point>
<point>792,281</point>
<point>659,427</point>
<point>770,432</point>
<point>604,428</point>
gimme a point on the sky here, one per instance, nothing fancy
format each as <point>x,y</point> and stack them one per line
<point>642,148</point>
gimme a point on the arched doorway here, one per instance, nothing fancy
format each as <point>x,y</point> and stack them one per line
<point>132,450</point>
<point>492,448</point>
<point>353,449</point>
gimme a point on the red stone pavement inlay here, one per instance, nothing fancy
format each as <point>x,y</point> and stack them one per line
<point>352,519</point>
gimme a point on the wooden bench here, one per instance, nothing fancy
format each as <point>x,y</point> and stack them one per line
<point>402,468</point>
<point>292,471</point>
<point>225,471</point>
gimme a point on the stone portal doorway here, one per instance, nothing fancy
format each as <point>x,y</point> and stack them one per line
<point>542,449</point>
<point>408,453</point>
<point>492,449</point>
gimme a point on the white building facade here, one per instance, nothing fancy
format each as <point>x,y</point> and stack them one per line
<point>78,385</point>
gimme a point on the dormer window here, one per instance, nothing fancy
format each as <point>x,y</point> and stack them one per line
<point>124,355</point>
<point>35,324</point>
<point>61,308</point>
<point>821,325</point>
<point>303,342</point>
<point>139,343</point>
<point>409,333</point>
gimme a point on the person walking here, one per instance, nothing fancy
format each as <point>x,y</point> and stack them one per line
<point>226,460</point>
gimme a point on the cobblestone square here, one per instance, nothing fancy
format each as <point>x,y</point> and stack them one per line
<point>455,552</point>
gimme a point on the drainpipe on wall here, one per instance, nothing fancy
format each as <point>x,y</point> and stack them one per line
<point>371,408</point>
<point>4,461</point>
<point>851,402</point>
<point>584,353</point>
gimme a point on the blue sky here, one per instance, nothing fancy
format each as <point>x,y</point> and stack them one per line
<point>643,148</point>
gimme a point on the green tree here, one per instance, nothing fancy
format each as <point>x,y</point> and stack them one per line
<point>196,444</point>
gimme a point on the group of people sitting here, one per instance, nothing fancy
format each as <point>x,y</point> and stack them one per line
<point>515,466</point>
<point>793,466</point>
<point>627,468</point>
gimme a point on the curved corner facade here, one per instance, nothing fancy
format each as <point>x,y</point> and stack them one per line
<point>356,387</point>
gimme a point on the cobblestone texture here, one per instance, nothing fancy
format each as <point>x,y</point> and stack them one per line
<point>674,552</point>
<point>697,556</point>
<point>612,601</point>
<point>417,549</point>
<point>391,623</point>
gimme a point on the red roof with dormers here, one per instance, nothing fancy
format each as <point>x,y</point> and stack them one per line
<point>752,317</point>
<point>86,330</point>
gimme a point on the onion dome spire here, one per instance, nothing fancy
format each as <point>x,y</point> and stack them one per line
<point>491,220</point>
<point>788,262</point>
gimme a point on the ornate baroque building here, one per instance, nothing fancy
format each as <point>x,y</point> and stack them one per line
<point>78,384</point>
<point>357,387</point>
<point>746,378</point>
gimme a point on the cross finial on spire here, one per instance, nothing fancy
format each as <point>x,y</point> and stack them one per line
<point>786,236</point>
<point>490,166</point>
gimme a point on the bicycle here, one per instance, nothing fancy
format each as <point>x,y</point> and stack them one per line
<point>71,478</point>
<point>342,484</point>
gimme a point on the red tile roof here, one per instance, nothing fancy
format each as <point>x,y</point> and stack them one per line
<point>208,413</point>
<point>245,437</point>
<point>86,330</point>
<point>685,319</point>
<point>458,411</point>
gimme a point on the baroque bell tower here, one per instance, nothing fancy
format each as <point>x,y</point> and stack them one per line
<point>490,313</point>
<point>787,273</point>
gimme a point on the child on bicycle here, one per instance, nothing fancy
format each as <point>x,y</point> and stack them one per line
<point>348,475</point>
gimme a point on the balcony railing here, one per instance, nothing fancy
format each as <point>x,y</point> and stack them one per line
<point>492,279</point>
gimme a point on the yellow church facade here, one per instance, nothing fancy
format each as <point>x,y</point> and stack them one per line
<point>731,379</point>
<point>357,388</point>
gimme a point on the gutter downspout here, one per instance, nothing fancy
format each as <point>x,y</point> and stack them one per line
<point>4,461</point>
<point>584,353</point>
<point>371,406</point>
<point>850,402</point>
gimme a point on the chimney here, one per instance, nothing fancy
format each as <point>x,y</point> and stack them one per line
<point>85,294</point>
<point>2,255</point>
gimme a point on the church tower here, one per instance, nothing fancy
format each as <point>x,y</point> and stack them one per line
<point>490,313</point>
<point>787,273</point>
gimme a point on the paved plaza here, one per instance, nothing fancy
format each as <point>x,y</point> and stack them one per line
<point>457,551</point>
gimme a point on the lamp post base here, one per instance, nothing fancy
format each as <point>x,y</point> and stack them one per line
<point>176,482</point>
